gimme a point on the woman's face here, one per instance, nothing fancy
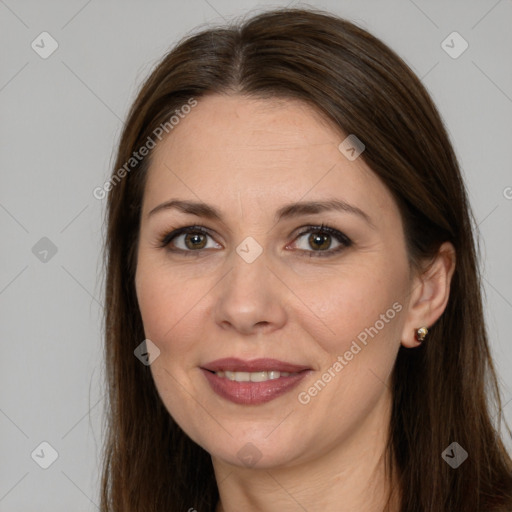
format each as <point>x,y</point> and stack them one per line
<point>263,281</point>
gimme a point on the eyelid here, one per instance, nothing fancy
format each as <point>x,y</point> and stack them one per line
<point>168,237</point>
<point>343,239</point>
<point>322,228</point>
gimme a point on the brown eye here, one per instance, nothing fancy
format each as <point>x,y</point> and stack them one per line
<point>188,239</point>
<point>195,241</point>
<point>320,239</point>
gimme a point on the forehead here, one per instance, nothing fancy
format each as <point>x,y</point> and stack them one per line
<point>221,123</point>
<point>259,151</point>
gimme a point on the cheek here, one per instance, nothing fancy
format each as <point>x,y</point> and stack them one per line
<point>359,336</point>
<point>155,299</point>
<point>168,314</point>
<point>175,315</point>
<point>163,294</point>
<point>363,304</point>
<point>163,303</point>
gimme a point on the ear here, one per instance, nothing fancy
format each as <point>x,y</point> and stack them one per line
<point>430,291</point>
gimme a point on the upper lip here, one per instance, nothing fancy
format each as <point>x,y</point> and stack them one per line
<point>233,364</point>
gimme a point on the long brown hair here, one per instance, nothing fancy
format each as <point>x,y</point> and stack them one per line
<point>445,391</point>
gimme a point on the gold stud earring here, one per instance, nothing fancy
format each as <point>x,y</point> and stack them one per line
<point>421,333</point>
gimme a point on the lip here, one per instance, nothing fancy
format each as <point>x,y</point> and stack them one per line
<point>233,364</point>
<point>253,393</point>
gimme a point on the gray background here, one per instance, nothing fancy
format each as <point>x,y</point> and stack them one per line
<point>60,120</point>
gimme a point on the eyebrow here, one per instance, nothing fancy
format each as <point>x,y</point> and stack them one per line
<point>285,212</point>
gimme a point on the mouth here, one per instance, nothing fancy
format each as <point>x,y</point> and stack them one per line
<point>253,376</point>
<point>235,365</point>
<point>252,382</point>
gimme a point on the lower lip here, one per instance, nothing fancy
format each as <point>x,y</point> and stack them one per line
<point>252,393</point>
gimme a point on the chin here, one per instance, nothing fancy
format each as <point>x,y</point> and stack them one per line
<point>258,451</point>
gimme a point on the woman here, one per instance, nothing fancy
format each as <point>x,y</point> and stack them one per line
<point>290,256</point>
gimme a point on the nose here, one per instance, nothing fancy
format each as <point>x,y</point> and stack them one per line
<point>250,299</point>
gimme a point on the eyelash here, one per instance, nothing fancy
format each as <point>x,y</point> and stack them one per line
<point>343,239</point>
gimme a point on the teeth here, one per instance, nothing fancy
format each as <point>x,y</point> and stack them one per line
<point>253,376</point>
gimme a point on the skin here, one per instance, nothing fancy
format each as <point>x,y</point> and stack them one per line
<point>248,158</point>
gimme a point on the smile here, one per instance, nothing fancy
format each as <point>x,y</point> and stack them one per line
<point>252,382</point>
<point>253,376</point>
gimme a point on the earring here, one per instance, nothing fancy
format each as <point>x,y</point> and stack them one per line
<point>421,333</point>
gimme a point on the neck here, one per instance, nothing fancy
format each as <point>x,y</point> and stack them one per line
<point>350,476</point>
